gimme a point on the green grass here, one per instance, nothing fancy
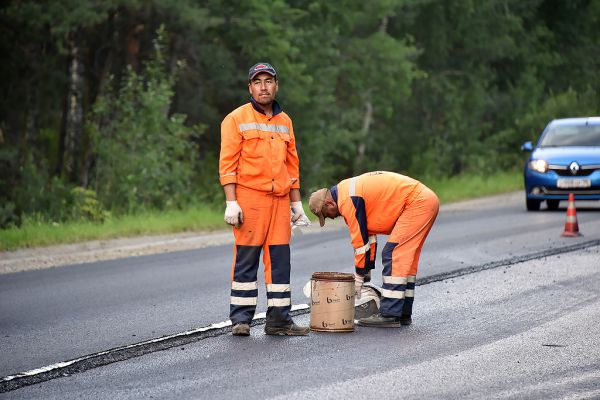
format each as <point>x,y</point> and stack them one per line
<point>202,218</point>
<point>34,234</point>
<point>466,187</point>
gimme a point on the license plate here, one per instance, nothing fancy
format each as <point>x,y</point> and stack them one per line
<point>573,183</point>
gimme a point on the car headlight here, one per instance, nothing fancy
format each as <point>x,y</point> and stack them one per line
<point>538,165</point>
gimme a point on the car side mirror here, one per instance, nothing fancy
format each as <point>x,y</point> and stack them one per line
<point>527,146</point>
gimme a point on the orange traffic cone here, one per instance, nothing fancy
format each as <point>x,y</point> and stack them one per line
<point>571,226</point>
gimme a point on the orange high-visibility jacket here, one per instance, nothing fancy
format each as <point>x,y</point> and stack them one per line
<point>371,204</point>
<point>259,152</point>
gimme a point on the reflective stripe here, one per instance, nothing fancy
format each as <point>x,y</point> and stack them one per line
<point>264,127</point>
<point>571,218</point>
<point>395,280</point>
<point>279,302</point>
<point>409,293</point>
<point>352,188</point>
<point>393,294</point>
<point>243,301</point>
<point>278,287</point>
<point>229,174</point>
<point>244,285</point>
<point>411,278</point>
<point>365,248</point>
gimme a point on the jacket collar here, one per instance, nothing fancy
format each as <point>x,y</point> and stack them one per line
<point>334,193</point>
<point>276,107</point>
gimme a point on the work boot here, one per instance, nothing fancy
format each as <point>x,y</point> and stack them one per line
<point>241,329</point>
<point>288,330</point>
<point>365,310</point>
<point>380,321</point>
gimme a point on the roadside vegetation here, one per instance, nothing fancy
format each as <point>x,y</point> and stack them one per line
<point>110,111</point>
<point>36,232</point>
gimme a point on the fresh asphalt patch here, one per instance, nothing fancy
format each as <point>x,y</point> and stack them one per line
<point>506,262</point>
<point>127,352</point>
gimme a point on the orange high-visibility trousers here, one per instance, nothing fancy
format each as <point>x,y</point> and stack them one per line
<point>400,256</point>
<point>266,228</point>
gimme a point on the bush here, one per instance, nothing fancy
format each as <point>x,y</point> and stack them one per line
<point>144,156</point>
<point>86,206</point>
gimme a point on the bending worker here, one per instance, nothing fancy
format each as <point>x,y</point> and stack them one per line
<point>385,203</point>
<point>259,171</point>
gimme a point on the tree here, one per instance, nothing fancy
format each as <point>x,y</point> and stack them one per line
<point>143,154</point>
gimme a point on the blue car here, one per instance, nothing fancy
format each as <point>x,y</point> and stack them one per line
<point>566,159</point>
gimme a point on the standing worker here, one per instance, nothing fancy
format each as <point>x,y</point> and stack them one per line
<point>259,171</point>
<point>385,203</point>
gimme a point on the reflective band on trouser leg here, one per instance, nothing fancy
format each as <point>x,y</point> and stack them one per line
<point>410,233</point>
<point>276,257</point>
<point>409,296</point>
<point>249,240</point>
<point>244,289</point>
<point>279,300</point>
<point>393,292</point>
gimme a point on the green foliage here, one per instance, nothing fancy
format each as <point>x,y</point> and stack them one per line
<point>428,88</point>
<point>471,186</point>
<point>86,206</point>
<point>143,153</point>
<point>361,76</point>
<point>39,194</point>
<point>562,105</point>
<point>530,125</point>
<point>39,232</point>
<point>8,214</point>
<point>202,218</point>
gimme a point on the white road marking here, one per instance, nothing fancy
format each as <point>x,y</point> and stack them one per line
<point>63,364</point>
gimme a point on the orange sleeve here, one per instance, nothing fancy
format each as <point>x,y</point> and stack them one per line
<point>366,261</point>
<point>231,147</point>
<point>359,260</point>
<point>292,161</point>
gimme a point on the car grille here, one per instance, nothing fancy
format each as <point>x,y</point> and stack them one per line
<point>563,170</point>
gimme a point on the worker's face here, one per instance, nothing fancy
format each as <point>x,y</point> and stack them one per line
<point>330,209</point>
<point>263,88</point>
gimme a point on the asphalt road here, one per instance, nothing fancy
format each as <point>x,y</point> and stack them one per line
<point>467,329</point>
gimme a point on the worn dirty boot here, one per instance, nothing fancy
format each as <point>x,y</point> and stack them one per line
<point>379,321</point>
<point>365,310</point>
<point>241,329</point>
<point>288,330</point>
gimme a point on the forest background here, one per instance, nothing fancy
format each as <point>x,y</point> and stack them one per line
<point>113,107</point>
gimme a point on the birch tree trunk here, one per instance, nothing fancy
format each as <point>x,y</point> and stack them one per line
<point>73,113</point>
<point>364,134</point>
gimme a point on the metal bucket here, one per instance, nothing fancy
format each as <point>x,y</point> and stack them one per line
<point>332,302</point>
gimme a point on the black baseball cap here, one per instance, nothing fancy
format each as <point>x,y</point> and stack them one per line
<point>259,68</point>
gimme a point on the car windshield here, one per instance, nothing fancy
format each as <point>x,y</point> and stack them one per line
<point>579,135</point>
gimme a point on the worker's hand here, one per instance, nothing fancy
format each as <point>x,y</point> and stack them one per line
<point>358,283</point>
<point>299,217</point>
<point>233,214</point>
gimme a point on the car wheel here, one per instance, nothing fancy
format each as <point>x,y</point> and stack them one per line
<point>552,204</point>
<point>533,205</point>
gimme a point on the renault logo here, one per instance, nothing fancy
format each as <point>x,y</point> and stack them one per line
<point>574,168</point>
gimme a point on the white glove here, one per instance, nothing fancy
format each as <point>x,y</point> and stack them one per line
<point>299,217</point>
<point>358,283</point>
<point>233,214</point>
